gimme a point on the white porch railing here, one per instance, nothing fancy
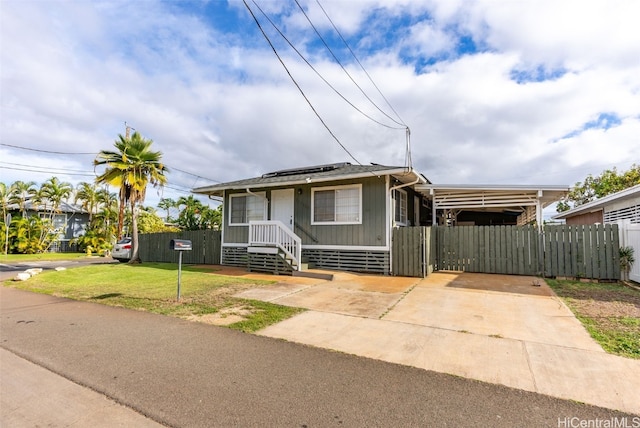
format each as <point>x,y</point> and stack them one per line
<point>275,234</point>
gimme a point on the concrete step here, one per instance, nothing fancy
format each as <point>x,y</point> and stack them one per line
<point>312,274</point>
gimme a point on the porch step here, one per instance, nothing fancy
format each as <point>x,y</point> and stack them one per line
<point>315,275</point>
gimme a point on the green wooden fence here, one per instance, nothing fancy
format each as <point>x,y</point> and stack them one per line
<point>582,251</point>
<point>489,249</point>
<point>154,247</point>
<point>558,251</point>
<point>411,251</point>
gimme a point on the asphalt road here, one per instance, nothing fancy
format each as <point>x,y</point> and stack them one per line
<point>187,374</point>
<point>10,270</point>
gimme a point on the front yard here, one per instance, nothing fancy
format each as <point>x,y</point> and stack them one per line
<point>205,296</point>
<point>610,312</point>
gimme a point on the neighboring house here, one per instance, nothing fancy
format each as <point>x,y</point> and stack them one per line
<point>622,208</point>
<point>341,216</point>
<point>336,216</point>
<point>69,220</point>
<point>619,207</point>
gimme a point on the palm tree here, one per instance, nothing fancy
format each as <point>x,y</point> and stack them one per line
<point>21,192</point>
<point>89,195</point>
<point>131,168</point>
<point>5,199</point>
<point>166,204</point>
<point>55,192</point>
<point>190,216</point>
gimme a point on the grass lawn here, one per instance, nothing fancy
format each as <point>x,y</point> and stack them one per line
<point>21,258</point>
<point>152,287</point>
<point>610,312</point>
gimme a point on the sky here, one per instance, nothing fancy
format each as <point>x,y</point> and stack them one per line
<point>526,92</point>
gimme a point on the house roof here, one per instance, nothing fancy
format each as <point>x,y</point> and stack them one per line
<point>631,192</point>
<point>315,174</point>
<point>65,207</point>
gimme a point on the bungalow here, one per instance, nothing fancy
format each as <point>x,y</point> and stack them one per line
<point>341,216</point>
<point>335,216</point>
<point>70,221</point>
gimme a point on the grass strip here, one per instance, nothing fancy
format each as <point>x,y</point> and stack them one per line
<point>609,311</point>
<point>152,287</point>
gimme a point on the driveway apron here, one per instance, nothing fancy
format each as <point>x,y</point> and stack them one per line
<point>509,330</point>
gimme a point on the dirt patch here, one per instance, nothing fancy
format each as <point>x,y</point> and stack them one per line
<point>225,316</point>
<point>611,313</point>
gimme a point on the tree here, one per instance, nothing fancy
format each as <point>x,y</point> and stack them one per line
<point>608,182</point>
<point>166,204</point>
<point>21,192</point>
<point>54,192</point>
<point>89,197</point>
<point>194,215</point>
<point>131,168</point>
<point>150,222</point>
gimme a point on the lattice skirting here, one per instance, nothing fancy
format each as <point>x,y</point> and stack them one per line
<point>352,260</point>
<point>235,256</point>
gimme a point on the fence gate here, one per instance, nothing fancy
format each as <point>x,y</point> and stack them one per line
<point>489,249</point>
<point>411,251</point>
<point>587,251</point>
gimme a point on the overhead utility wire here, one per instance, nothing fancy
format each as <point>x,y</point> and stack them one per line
<point>345,70</point>
<point>408,161</point>
<point>46,151</point>
<point>294,81</point>
<point>317,72</point>
<point>77,153</point>
<point>46,172</point>
<point>360,64</point>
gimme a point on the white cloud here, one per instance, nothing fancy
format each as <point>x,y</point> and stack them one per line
<point>220,105</point>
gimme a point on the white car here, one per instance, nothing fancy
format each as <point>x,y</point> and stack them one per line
<point>122,250</point>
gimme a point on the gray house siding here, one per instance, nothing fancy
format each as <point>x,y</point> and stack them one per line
<point>371,231</point>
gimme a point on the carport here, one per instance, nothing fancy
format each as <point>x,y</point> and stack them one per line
<point>526,202</point>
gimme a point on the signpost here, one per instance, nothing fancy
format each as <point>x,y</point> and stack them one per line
<point>180,245</point>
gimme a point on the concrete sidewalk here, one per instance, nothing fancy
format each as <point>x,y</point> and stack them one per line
<point>505,330</point>
<point>32,394</point>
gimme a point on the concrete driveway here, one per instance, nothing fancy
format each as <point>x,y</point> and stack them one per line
<point>503,329</point>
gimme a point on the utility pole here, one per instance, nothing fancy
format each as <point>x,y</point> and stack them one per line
<point>127,131</point>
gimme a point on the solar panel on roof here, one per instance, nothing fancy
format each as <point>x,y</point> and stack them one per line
<point>306,170</point>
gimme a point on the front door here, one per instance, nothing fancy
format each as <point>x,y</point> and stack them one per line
<point>282,206</point>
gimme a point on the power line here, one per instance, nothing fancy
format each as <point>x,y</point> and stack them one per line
<point>195,175</point>
<point>295,82</point>
<point>47,171</point>
<point>408,161</point>
<point>319,74</point>
<point>359,63</point>
<point>343,68</point>
<point>46,151</point>
<point>77,153</point>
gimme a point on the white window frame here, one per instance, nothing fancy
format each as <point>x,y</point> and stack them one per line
<point>258,195</point>
<point>331,223</point>
<point>403,197</point>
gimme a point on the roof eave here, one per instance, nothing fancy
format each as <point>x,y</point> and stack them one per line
<point>396,172</point>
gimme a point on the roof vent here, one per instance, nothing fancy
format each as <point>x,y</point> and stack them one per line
<point>307,170</point>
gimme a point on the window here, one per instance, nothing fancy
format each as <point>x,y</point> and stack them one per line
<point>337,205</point>
<point>400,207</point>
<point>245,208</point>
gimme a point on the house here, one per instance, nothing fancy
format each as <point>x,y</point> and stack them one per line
<point>335,216</point>
<point>342,216</point>
<point>69,220</point>
<point>619,207</point>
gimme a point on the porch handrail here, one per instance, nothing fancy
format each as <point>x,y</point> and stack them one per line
<point>275,233</point>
